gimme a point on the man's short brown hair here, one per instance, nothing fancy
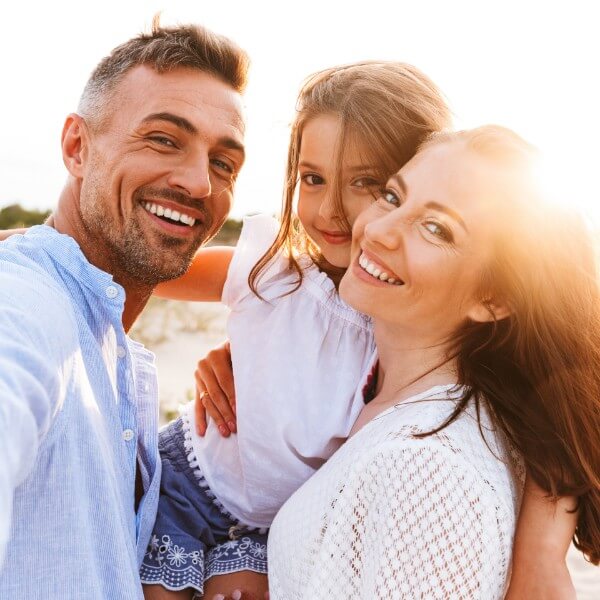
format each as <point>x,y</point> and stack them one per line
<point>165,49</point>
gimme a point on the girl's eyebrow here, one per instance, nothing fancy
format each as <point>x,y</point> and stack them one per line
<point>308,165</point>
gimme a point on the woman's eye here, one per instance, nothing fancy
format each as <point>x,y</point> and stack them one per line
<point>438,230</point>
<point>312,179</point>
<point>390,197</point>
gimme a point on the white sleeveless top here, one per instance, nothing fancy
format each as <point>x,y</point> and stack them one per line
<point>391,516</point>
<point>297,360</point>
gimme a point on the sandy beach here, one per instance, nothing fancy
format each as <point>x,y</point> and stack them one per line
<point>181,333</point>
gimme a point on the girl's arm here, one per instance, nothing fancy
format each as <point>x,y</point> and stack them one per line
<point>6,233</point>
<point>544,532</point>
<point>204,280</point>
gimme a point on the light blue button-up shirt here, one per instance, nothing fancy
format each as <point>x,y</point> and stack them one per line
<point>78,404</point>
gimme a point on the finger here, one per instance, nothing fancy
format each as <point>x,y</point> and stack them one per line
<point>220,361</point>
<point>209,382</point>
<point>214,412</point>
<point>200,415</point>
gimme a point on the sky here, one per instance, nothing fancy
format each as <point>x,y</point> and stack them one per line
<point>529,65</point>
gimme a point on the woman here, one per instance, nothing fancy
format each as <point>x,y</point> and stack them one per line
<point>488,345</point>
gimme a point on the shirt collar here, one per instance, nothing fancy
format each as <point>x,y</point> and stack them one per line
<point>67,252</point>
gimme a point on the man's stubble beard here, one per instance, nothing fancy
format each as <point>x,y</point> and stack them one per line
<point>128,250</point>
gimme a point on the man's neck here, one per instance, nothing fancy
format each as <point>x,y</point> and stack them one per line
<point>69,222</point>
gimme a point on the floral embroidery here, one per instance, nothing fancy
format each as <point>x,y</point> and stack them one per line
<point>259,551</point>
<point>237,555</point>
<point>177,556</point>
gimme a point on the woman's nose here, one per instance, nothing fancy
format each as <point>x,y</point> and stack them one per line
<point>386,230</point>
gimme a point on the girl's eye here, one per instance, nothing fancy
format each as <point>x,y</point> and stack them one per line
<point>438,230</point>
<point>312,179</point>
<point>366,182</point>
<point>389,196</point>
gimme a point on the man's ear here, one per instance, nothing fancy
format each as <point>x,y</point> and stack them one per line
<point>74,142</point>
<point>489,310</point>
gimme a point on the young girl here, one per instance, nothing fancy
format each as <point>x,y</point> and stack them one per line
<point>298,351</point>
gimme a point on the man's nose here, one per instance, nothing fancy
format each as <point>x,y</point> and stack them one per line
<point>192,177</point>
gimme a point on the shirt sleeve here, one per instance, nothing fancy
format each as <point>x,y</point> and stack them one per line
<point>257,235</point>
<point>36,343</point>
<point>423,526</point>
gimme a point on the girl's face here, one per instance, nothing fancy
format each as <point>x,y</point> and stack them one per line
<point>317,208</point>
<point>419,251</point>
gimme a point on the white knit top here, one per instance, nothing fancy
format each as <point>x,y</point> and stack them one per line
<point>297,361</point>
<point>391,516</point>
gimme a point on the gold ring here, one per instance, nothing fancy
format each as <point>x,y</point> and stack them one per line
<point>202,394</point>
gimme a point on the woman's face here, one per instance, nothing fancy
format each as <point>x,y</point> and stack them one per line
<point>419,251</point>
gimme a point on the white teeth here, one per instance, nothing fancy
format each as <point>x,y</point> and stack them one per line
<point>174,215</point>
<point>376,271</point>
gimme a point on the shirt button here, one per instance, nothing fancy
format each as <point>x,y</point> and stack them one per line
<point>121,352</point>
<point>111,291</point>
<point>127,435</point>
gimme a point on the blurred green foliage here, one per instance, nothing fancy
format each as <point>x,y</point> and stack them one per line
<point>229,233</point>
<point>15,216</point>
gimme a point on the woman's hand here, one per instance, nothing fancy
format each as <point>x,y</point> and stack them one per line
<point>215,392</point>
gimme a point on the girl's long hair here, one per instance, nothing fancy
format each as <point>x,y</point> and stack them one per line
<point>539,369</point>
<point>386,109</point>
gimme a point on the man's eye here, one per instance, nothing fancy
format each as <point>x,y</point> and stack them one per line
<point>390,197</point>
<point>221,164</point>
<point>162,140</point>
<point>312,179</point>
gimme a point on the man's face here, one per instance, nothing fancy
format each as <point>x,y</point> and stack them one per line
<point>159,170</point>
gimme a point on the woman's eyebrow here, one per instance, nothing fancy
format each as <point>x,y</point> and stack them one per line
<point>447,210</point>
<point>399,181</point>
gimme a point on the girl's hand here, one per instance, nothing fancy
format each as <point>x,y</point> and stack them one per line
<point>215,392</point>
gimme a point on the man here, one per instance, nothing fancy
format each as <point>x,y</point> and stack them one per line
<point>152,155</point>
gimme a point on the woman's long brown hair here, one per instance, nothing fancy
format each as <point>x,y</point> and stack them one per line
<point>539,369</point>
<point>386,108</point>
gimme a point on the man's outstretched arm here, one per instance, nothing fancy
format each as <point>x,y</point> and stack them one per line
<point>34,340</point>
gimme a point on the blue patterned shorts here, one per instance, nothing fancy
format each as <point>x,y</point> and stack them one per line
<point>194,537</point>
